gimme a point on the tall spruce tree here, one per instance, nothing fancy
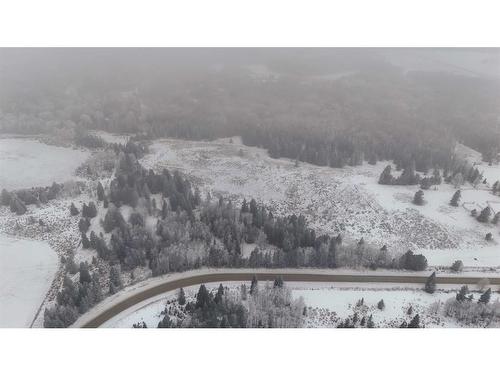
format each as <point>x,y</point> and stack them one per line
<point>370,323</point>
<point>84,273</point>
<point>181,297</point>
<point>485,297</point>
<point>415,322</point>
<point>462,293</point>
<point>456,198</point>
<point>100,191</point>
<point>430,284</point>
<point>254,286</point>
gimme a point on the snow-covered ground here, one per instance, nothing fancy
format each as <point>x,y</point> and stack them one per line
<point>149,311</point>
<point>26,162</point>
<point>112,138</point>
<point>30,249</point>
<point>348,200</point>
<point>26,271</point>
<point>328,304</point>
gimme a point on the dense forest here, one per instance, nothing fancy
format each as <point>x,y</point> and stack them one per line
<point>326,107</point>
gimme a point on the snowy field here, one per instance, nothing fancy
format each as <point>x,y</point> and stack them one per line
<point>347,200</point>
<point>29,251</point>
<point>112,138</point>
<point>328,304</point>
<point>26,272</point>
<point>26,162</point>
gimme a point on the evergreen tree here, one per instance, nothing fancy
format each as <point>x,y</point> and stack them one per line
<point>43,197</point>
<point>73,210</point>
<point>254,286</point>
<point>488,237</point>
<point>113,219</point>
<point>386,177</point>
<point>164,210</point>
<point>410,310</point>
<point>485,214</point>
<point>381,305</point>
<point>418,199</point>
<point>370,323</point>
<point>100,191</point>
<point>355,318</point>
<point>5,198</point>
<point>85,241</point>
<point>219,294</point>
<point>485,297</point>
<point>415,322</point>
<point>202,297</point>
<point>84,225</point>
<point>89,211</point>
<point>71,266</point>
<point>457,266</point>
<point>17,206</point>
<point>243,292</point>
<point>166,322</point>
<point>426,184</point>
<point>410,261</point>
<point>462,293</point>
<point>278,282</point>
<point>181,297</point>
<point>430,284</point>
<point>136,219</point>
<point>456,198</point>
<point>496,187</point>
<point>496,218</point>
<point>115,279</point>
<point>84,273</point>
<point>244,206</point>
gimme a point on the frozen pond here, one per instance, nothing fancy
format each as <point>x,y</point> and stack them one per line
<point>26,271</point>
<point>26,162</point>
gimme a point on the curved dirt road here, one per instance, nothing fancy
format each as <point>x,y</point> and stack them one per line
<point>223,276</point>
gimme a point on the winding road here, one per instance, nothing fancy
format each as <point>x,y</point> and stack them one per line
<point>97,317</point>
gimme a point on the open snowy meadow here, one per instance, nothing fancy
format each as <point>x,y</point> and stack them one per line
<point>27,162</point>
<point>27,268</point>
<point>348,200</point>
<point>29,261</point>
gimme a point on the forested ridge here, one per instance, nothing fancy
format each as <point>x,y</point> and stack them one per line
<point>293,109</point>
